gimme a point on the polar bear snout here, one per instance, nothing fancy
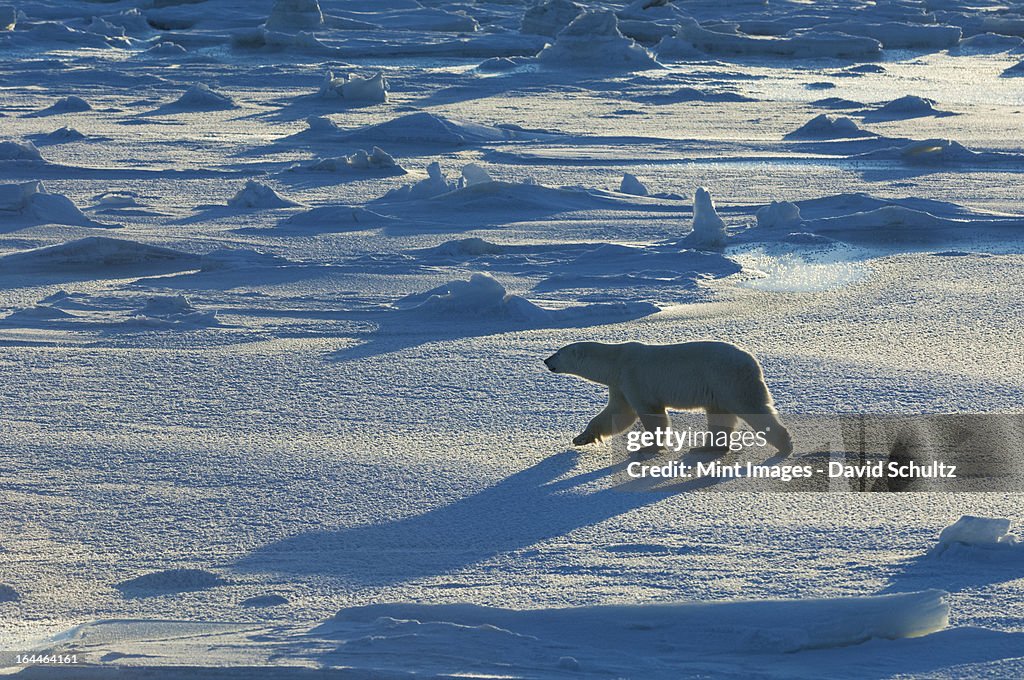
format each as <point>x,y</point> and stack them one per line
<point>550,363</point>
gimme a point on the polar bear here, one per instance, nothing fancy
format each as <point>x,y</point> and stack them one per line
<point>645,380</point>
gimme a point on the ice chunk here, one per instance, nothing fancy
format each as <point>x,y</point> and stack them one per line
<point>353,88</point>
<point>474,174</point>
<point>778,214</point>
<point>708,227</point>
<point>435,184</point>
<point>631,185</point>
<point>983,531</point>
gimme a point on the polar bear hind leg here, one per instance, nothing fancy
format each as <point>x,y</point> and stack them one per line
<point>618,416</point>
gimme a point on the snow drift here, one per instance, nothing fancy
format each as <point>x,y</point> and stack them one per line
<point>433,129</point>
<point>680,631</point>
<point>484,297</point>
<point>99,254</point>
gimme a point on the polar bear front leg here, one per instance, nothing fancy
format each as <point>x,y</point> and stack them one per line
<point>616,417</point>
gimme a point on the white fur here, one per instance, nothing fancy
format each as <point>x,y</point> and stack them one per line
<point>645,380</point>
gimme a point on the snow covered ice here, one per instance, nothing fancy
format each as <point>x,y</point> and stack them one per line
<point>277,279</point>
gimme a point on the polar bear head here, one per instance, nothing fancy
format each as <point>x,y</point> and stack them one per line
<point>587,360</point>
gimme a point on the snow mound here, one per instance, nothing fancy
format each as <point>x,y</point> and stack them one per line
<point>31,201</point>
<point>200,97</point>
<point>748,627</point>
<point>376,159</point>
<point>261,601</point>
<point>352,88</point>
<point>170,581</point>
<point>8,593</point>
<point>98,253</point>
<point>908,106</point>
<point>708,227</point>
<point>824,126</point>
<point>173,310</point>
<point>474,174</point>
<point>19,151</point>
<point>473,247</point>
<point>549,18</point>
<point>290,16</point>
<point>257,196</point>
<point>69,104</point>
<point>778,214</point>
<point>805,44</point>
<point>593,41</point>
<point>61,135</point>
<point>38,312</point>
<point>330,218</point>
<point>484,297</point>
<point>432,129</point>
<point>935,152</point>
<point>902,35</point>
<point>631,185</point>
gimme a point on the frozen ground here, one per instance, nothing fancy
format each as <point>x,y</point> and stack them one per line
<point>253,384</point>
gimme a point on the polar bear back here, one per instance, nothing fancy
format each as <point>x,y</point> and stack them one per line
<point>711,375</point>
<point>715,375</point>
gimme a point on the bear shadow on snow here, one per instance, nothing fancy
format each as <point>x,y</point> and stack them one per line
<point>519,511</point>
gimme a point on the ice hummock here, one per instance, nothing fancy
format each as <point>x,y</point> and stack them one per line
<point>31,202</point>
<point>824,126</point>
<point>11,150</point>
<point>593,41</point>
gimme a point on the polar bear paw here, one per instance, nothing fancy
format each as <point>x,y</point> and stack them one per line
<point>585,438</point>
